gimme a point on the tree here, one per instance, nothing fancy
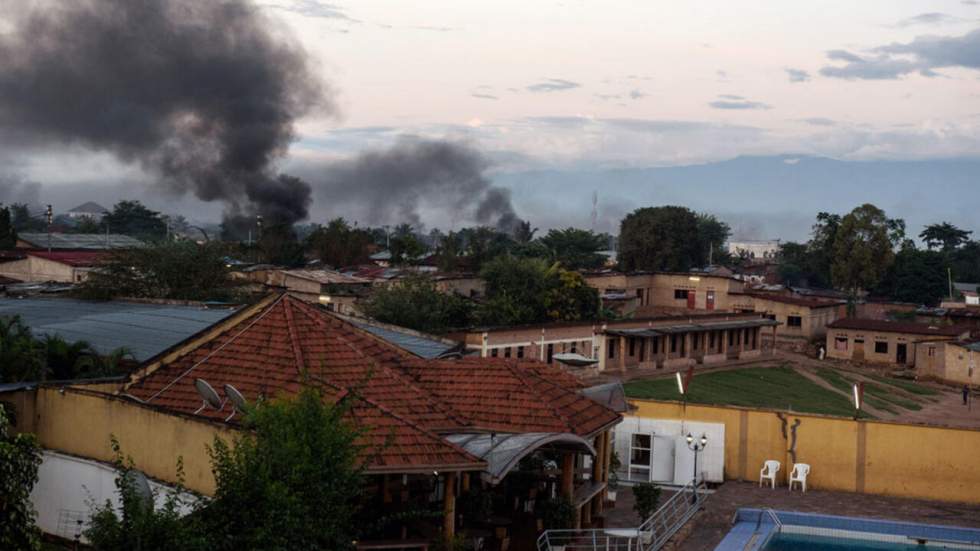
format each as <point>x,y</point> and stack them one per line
<point>20,458</point>
<point>712,236</point>
<point>862,250</point>
<point>279,245</point>
<point>794,263</point>
<point>530,290</point>
<point>414,302</point>
<point>576,249</point>
<point>134,219</point>
<point>659,239</point>
<point>169,270</point>
<point>64,359</point>
<point>483,243</point>
<point>916,276</point>
<point>647,495</point>
<point>21,355</point>
<point>23,221</point>
<point>292,480</point>
<point>448,251</point>
<point>945,236</point>
<point>338,244</point>
<point>139,524</point>
<point>523,232</point>
<point>965,262</point>
<point>8,234</point>
<point>821,248</point>
<point>406,248</point>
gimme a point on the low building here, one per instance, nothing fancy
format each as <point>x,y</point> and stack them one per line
<point>799,317</point>
<point>336,291</point>
<point>662,342</point>
<point>953,362</point>
<point>677,290</point>
<point>57,266</point>
<point>76,241</point>
<point>885,342</point>
<point>755,250</point>
<point>88,209</point>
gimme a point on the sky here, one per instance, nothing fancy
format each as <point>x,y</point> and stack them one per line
<point>575,88</point>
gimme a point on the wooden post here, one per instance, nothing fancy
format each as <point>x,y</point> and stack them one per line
<point>385,489</point>
<point>449,508</point>
<point>466,482</point>
<point>622,353</point>
<point>568,474</point>
<point>598,468</point>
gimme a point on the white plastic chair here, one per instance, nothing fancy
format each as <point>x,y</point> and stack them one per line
<point>769,470</point>
<point>800,471</point>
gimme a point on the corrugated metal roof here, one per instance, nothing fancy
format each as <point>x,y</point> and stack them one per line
<point>327,277</point>
<point>95,241</point>
<point>145,329</point>
<point>422,347</point>
<point>503,452</point>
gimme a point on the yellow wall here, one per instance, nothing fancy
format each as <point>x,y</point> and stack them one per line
<point>154,439</point>
<point>875,457</point>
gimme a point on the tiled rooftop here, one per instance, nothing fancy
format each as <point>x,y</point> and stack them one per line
<point>397,396</point>
<point>886,326</point>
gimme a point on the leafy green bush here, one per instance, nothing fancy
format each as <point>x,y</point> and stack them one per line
<point>557,513</point>
<point>647,497</point>
<point>20,458</point>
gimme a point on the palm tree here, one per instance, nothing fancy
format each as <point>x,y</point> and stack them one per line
<point>66,359</point>
<point>21,355</point>
<point>108,365</point>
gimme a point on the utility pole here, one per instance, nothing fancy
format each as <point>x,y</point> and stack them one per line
<point>50,216</point>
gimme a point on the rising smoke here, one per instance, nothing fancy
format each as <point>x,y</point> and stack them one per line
<point>201,94</point>
<point>392,185</point>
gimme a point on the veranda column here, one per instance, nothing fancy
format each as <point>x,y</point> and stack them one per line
<point>449,508</point>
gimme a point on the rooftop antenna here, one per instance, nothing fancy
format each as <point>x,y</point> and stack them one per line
<point>141,487</point>
<point>595,209</point>
<point>209,396</point>
<point>237,400</point>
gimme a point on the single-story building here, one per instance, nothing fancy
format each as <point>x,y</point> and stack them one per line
<point>76,241</point>
<point>953,362</point>
<point>882,341</point>
<point>680,290</point>
<point>799,317</point>
<point>59,266</point>
<point>336,291</point>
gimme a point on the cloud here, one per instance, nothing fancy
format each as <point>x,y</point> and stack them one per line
<point>479,95</point>
<point>729,101</point>
<point>797,75</point>
<point>820,121</point>
<point>923,55</point>
<point>316,8</point>
<point>931,18</point>
<point>553,85</point>
<point>969,2</point>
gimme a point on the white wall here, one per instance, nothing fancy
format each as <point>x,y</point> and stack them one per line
<point>68,487</point>
<point>671,457</point>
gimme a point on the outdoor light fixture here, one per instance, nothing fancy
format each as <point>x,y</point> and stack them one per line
<point>696,446</point>
<point>680,384</point>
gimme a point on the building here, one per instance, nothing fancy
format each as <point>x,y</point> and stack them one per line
<point>886,342</point>
<point>57,266</point>
<point>76,241</point>
<point>953,362</point>
<point>661,342</point>
<point>679,291</point>
<point>89,209</point>
<point>799,317</point>
<point>755,250</point>
<point>336,291</point>
<point>434,429</point>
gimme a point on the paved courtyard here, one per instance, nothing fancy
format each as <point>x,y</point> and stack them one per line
<point>708,528</point>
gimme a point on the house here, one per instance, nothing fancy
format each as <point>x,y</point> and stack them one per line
<point>886,342</point>
<point>76,241</point>
<point>799,317</point>
<point>89,209</point>
<point>336,291</point>
<point>675,290</point>
<point>953,362</point>
<point>667,342</point>
<point>755,250</point>
<point>57,266</point>
<point>434,430</point>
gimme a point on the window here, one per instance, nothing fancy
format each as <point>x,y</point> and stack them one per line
<point>711,339</point>
<point>632,342</point>
<point>731,337</point>
<point>641,452</point>
<point>695,341</point>
<point>932,351</point>
<point>794,321</point>
<point>612,349</point>
<point>840,343</point>
<point>507,352</point>
<point>771,317</point>
<point>643,350</point>
<point>745,333</point>
<point>673,343</point>
<point>551,351</point>
<point>574,347</point>
<point>881,347</point>
<point>493,353</point>
<point>520,351</point>
<point>680,294</point>
<point>656,345</point>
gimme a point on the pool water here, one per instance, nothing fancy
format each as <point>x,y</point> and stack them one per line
<point>805,542</point>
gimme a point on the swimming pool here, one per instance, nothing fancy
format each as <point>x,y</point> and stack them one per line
<point>768,530</point>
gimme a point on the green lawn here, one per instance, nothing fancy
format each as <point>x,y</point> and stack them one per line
<point>774,387</point>
<point>908,386</point>
<point>845,384</point>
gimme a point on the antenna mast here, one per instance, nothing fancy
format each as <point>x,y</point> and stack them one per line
<point>595,209</point>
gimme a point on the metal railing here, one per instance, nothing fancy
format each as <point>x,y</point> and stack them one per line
<point>651,535</point>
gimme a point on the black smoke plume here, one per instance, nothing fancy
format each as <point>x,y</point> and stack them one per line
<point>201,93</point>
<point>391,185</point>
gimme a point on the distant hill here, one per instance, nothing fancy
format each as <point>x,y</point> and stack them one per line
<point>761,197</point>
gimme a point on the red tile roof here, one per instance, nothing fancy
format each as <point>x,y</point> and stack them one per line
<point>78,259</point>
<point>398,397</point>
<point>885,326</point>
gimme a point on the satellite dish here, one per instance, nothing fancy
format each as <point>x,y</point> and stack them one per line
<point>141,487</point>
<point>209,396</point>
<point>237,400</point>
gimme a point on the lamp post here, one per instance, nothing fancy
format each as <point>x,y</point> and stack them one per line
<point>696,445</point>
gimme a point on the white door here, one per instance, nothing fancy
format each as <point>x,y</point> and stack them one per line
<point>663,459</point>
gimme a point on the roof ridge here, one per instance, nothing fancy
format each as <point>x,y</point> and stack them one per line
<point>293,337</point>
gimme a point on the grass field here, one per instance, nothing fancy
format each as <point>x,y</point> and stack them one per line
<point>773,387</point>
